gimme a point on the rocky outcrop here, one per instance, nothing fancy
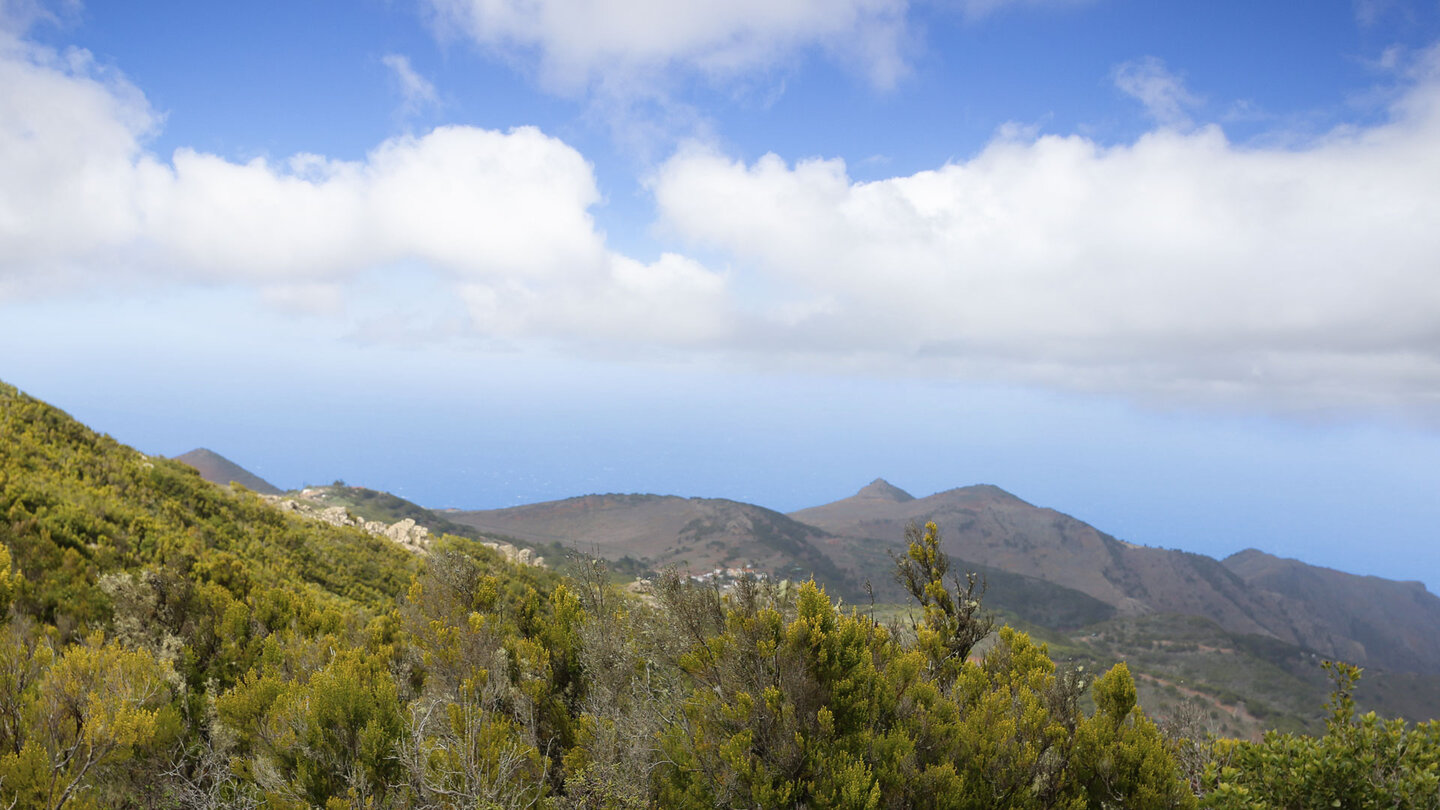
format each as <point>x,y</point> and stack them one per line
<point>406,532</point>
<point>517,556</point>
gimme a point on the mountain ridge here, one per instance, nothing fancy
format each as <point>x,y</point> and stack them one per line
<point>990,527</point>
<point>1044,566</point>
<point>1058,567</point>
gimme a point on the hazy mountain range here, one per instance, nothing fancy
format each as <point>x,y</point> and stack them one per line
<point>1040,565</point>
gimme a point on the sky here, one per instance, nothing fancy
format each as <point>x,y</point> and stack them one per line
<point>1171,268</point>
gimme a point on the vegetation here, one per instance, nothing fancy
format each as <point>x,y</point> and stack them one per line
<point>1245,685</point>
<point>1360,762</point>
<point>168,643</point>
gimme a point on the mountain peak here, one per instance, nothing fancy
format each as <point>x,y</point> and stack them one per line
<point>880,488</point>
<point>217,469</point>
<point>201,454</point>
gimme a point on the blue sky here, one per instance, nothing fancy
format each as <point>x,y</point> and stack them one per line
<point>1168,267</point>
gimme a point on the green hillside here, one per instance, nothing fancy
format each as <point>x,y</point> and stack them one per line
<point>169,643</point>
<point>145,604</point>
<point>79,506</point>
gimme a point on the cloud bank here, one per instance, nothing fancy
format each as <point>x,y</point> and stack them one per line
<point>1180,265</point>
<point>504,215</point>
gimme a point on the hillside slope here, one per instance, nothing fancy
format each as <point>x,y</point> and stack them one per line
<point>77,505</point>
<point>156,629</point>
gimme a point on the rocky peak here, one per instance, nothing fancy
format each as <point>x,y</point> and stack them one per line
<point>884,490</point>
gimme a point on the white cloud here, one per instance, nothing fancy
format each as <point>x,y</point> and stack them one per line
<point>68,155</point>
<point>1181,263</point>
<point>417,92</point>
<point>1163,93</point>
<point>83,202</point>
<point>615,42</point>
